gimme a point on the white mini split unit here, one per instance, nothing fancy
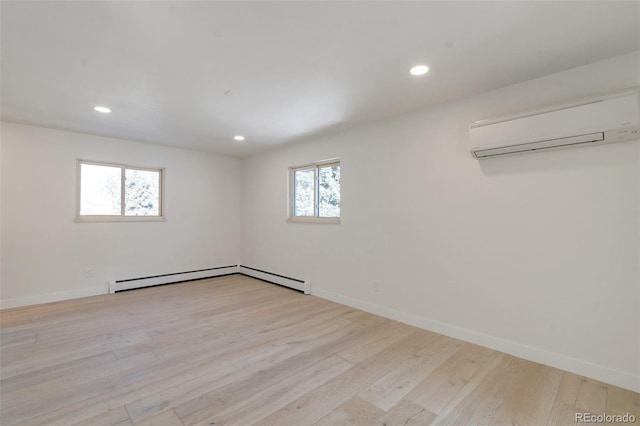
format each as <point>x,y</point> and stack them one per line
<point>607,119</point>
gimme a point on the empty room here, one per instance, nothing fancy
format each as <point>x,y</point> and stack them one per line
<point>319,213</point>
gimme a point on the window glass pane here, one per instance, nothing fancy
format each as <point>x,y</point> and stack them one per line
<point>100,190</point>
<point>142,193</point>
<point>303,192</point>
<point>329,191</point>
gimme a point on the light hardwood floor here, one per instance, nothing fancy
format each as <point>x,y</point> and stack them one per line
<point>234,350</point>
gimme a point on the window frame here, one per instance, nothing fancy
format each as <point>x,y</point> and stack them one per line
<point>316,193</point>
<point>121,217</point>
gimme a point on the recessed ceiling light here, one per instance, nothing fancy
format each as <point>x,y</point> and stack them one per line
<point>102,109</point>
<point>238,138</point>
<point>419,70</point>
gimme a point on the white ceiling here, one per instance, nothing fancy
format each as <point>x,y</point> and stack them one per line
<point>294,70</point>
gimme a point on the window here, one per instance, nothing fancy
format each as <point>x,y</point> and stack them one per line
<point>315,192</point>
<point>117,192</point>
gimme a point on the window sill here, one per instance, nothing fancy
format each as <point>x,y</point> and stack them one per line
<point>89,219</point>
<point>309,219</point>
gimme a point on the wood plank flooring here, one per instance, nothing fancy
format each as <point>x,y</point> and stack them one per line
<point>234,350</point>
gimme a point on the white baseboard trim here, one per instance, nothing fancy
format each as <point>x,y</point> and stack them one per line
<point>51,297</point>
<point>118,286</point>
<point>563,362</point>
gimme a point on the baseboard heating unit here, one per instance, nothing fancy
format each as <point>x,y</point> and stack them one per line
<point>200,274</point>
<point>294,283</point>
<point>177,277</point>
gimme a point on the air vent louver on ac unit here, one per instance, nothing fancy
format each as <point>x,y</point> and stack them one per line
<point>608,119</point>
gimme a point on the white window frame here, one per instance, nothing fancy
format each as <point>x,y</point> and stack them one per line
<point>122,217</point>
<point>315,218</point>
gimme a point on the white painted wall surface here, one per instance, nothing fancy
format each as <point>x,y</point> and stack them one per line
<point>45,253</point>
<point>536,255</point>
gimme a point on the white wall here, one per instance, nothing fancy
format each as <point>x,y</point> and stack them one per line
<point>536,255</point>
<point>45,253</point>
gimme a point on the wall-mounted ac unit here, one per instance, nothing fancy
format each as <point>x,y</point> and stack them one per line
<point>607,119</point>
